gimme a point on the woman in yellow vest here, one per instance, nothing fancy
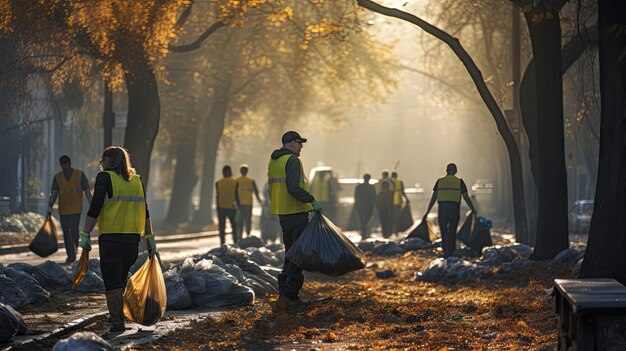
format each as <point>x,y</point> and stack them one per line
<point>119,206</point>
<point>447,192</point>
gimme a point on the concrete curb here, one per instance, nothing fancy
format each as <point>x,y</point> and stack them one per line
<point>70,327</point>
<point>13,249</point>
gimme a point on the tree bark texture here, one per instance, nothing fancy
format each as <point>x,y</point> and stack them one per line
<point>185,178</point>
<point>212,134</point>
<point>519,207</point>
<point>143,117</point>
<point>551,176</point>
<point>605,256</point>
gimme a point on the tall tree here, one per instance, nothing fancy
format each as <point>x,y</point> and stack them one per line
<point>605,256</point>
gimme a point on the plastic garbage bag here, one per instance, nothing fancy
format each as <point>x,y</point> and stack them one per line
<point>140,261</point>
<point>323,248</point>
<point>11,323</point>
<point>24,267</point>
<point>29,285</point>
<point>486,221</point>
<point>145,297</point>
<point>52,276</point>
<point>178,297</point>
<point>423,231</point>
<point>263,257</point>
<point>436,271</point>
<point>11,292</point>
<point>211,286</point>
<point>474,234</point>
<point>45,242</point>
<point>259,280</point>
<point>91,283</point>
<point>251,241</point>
<point>83,341</point>
<point>81,269</point>
<point>405,219</point>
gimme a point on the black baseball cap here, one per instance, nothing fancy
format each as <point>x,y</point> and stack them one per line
<point>291,136</point>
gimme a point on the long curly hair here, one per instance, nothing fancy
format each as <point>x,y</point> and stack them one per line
<point>120,161</point>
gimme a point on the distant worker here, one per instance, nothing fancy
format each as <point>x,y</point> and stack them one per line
<point>447,192</point>
<point>119,205</point>
<point>384,204</point>
<point>226,207</point>
<point>291,201</point>
<point>323,190</point>
<point>364,200</point>
<point>398,194</point>
<point>385,179</point>
<point>243,197</point>
<point>69,185</point>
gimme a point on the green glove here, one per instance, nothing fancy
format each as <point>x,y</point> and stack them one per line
<point>85,241</point>
<point>316,206</point>
<point>151,244</point>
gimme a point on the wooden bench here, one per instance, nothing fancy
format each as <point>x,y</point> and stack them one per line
<point>592,314</point>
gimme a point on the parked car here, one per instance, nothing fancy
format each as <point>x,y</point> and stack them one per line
<point>580,216</point>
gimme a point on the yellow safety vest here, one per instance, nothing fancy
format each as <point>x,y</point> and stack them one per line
<point>244,190</point>
<point>226,193</point>
<point>125,211</point>
<point>319,189</point>
<point>449,189</point>
<point>281,201</point>
<point>397,193</point>
<point>70,192</point>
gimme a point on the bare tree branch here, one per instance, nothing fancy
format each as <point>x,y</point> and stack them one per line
<point>196,43</point>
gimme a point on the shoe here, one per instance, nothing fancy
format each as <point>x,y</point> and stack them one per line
<point>115,303</point>
<point>282,304</point>
<point>297,303</point>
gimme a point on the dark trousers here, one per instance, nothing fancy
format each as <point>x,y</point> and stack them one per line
<point>116,258</point>
<point>222,214</point>
<point>291,279</point>
<point>244,219</point>
<point>364,217</point>
<point>69,224</point>
<point>396,214</point>
<point>448,221</point>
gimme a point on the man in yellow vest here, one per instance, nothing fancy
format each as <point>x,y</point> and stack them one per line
<point>244,188</point>
<point>448,191</point>
<point>225,200</point>
<point>69,185</point>
<point>398,194</point>
<point>290,200</point>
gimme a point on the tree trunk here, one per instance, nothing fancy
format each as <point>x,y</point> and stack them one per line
<point>185,178</point>
<point>528,101</point>
<point>605,256</point>
<point>515,162</point>
<point>212,135</point>
<point>549,167</point>
<point>143,117</point>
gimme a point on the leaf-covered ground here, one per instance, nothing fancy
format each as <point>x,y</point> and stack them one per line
<point>509,311</point>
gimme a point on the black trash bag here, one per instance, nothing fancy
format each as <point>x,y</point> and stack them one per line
<point>24,267</point>
<point>211,286</point>
<point>259,280</point>
<point>52,276</point>
<point>322,248</point>
<point>423,231</point>
<point>405,219</point>
<point>474,234</point>
<point>92,282</point>
<point>29,285</point>
<point>251,241</point>
<point>11,323</point>
<point>11,292</point>
<point>178,297</point>
<point>45,242</point>
<point>83,341</point>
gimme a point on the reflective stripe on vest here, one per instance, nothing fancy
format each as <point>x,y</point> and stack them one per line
<point>281,201</point>
<point>397,194</point>
<point>226,193</point>
<point>244,190</point>
<point>125,211</point>
<point>70,192</point>
<point>449,189</point>
<point>319,188</point>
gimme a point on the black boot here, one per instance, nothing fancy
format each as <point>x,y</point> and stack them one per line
<point>115,303</point>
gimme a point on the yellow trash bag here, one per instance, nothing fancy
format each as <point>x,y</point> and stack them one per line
<point>81,270</point>
<point>145,297</point>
